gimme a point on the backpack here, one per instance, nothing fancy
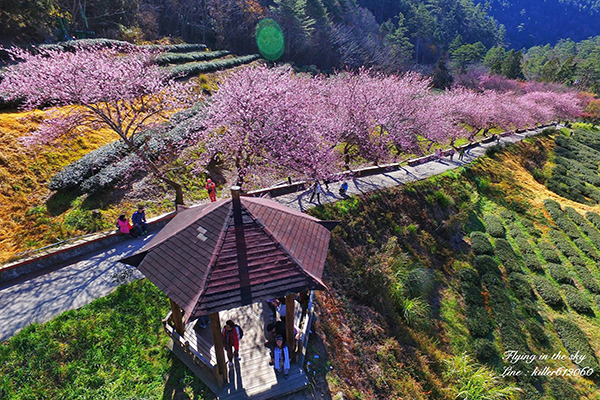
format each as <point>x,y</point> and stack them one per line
<point>240,332</point>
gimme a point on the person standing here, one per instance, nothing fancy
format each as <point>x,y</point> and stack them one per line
<point>316,191</point>
<point>211,188</point>
<point>139,221</point>
<point>281,353</point>
<point>232,334</point>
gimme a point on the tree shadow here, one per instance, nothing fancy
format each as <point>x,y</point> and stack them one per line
<point>180,380</point>
<point>61,201</point>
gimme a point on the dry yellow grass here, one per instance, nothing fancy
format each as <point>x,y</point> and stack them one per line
<point>24,173</point>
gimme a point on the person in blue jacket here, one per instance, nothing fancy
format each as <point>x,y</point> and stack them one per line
<point>139,221</point>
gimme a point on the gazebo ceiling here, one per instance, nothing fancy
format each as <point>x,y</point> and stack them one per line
<point>206,263</point>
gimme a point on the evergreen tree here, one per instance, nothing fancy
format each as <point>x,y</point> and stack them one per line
<point>566,74</point>
<point>494,59</point>
<point>296,24</point>
<point>441,75</point>
<point>511,67</point>
<point>550,70</point>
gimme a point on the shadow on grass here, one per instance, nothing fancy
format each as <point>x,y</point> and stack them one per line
<point>182,384</point>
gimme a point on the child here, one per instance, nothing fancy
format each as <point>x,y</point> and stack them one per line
<point>125,227</point>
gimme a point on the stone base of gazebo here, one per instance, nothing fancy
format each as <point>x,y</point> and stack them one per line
<point>250,377</point>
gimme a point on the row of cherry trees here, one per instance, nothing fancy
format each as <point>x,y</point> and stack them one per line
<point>273,123</point>
<point>268,123</point>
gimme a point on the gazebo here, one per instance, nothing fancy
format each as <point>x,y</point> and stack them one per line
<point>230,255</point>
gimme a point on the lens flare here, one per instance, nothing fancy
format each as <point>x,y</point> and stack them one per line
<point>269,39</point>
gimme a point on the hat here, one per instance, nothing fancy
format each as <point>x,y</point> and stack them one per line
<point>279,337</point>
<point>208,180</point>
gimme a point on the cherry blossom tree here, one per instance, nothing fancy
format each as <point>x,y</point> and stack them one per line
<point>123,91</point>
<point>262,120</point>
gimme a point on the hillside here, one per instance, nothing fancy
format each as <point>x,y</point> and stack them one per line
<point>532,23</point>
<point>478,261</point>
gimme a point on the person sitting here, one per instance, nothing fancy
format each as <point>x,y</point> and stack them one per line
<point>282,357</point>
<point>139,221</point>
<point>125,227</point>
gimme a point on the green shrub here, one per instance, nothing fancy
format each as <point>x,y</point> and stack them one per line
<point>562,389</point>
<point>575,341</point>
<point>547,291</point>
<point>531,229</point>
<point>585,276</point>
<point>486,264</point>
<point>493,225</point>
<point>520,285</point>
<point>530,308</point>
<point>503,311</point>
<point>590,230</point>
<point>576,300</point>
<point>180,58</point>
<point>507,256</point>
<point>480,244</point>
<point>563,244</point>
<point>195,68</point>
<point>549,252</point>
<point>537,332</point>
<point>478,320</point>
<point>594,218</point>
<point>523,244</point>
<point>559,273</point>
<point>532,262</point>
<point>484,350</point>
<point>587,248</point>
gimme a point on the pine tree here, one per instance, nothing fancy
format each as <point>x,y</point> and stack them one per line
<point>441,75</point>
<point>511,67</point>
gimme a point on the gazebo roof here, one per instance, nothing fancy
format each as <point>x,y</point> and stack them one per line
<point>206,263</point>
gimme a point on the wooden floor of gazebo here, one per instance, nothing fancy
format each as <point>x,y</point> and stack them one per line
<point>252,376</point>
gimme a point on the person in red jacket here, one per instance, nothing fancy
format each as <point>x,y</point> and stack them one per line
<point>232,334</point>
<point>211,189</point>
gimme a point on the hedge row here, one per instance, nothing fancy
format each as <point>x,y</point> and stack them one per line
<point>484,350</point>
<point>575,150</point>
<point>586,227</point>
<point>532,262</point>
<point>593,218</point>
<point>537,332</point>
<point>584,172</point>
<point>180,58</point>
<point>587,248</point>
<point>486,265</point>
<point>549,252</point>
<point>548,292</point>
<point>576,300</point>
<point>478,320</point>
<point>480,243</point>
<point>531,229</point>
<point>559,273</point>
<point>571,187</point>
<point>507,256</point>
<point>110,43</point>
<point>196,68</point>
<point>105,165</point>
<point>561,219</point>
<point>502,308</point>
<point>588,138</point>
<point>493,225</point>
<point>563,244</point>
<point>520,286</point>
<point>576,341</point>
<point>585,276</point>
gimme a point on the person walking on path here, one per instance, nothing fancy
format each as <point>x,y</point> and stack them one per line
<point>139,221</point>
<point>282,357</point>
<point>211,189</point>
<point>232,334</point>
<point>461,153</point>
<point>316,191</point>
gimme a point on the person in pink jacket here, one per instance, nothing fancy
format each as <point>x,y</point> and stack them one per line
<point>124,226</point>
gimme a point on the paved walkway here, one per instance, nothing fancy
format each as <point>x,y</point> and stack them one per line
<point>39,297</point>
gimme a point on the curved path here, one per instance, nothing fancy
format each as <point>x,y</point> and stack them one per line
<point>39,297</point>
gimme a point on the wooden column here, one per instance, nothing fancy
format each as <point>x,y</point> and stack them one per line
<point>217,335</point>
<point>289,325</point>
<point>177,318</point>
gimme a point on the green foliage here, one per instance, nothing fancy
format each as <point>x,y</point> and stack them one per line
<point>507,256</point>
<point>181,58</point>
<point>549,252</point>
<point>585,277</point>
<point>575,341</point>
<point>195,68</point>
<point>470,381</point>
<point>562,389</point>
<point>493,225</point>
<point>520,286</point>
<point>563,244</point>
<point>484,350</point>
<point>486,264</point>
<point>111,348</point>
<point>532,262</point>
<point>548,292</point>
<point>586,227</point>
<point>576,300</point>
<point>537,332</point>
<point>478,319</point>
<point>480,244</point>
<point>511,66</point>
<point>559,273</point>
